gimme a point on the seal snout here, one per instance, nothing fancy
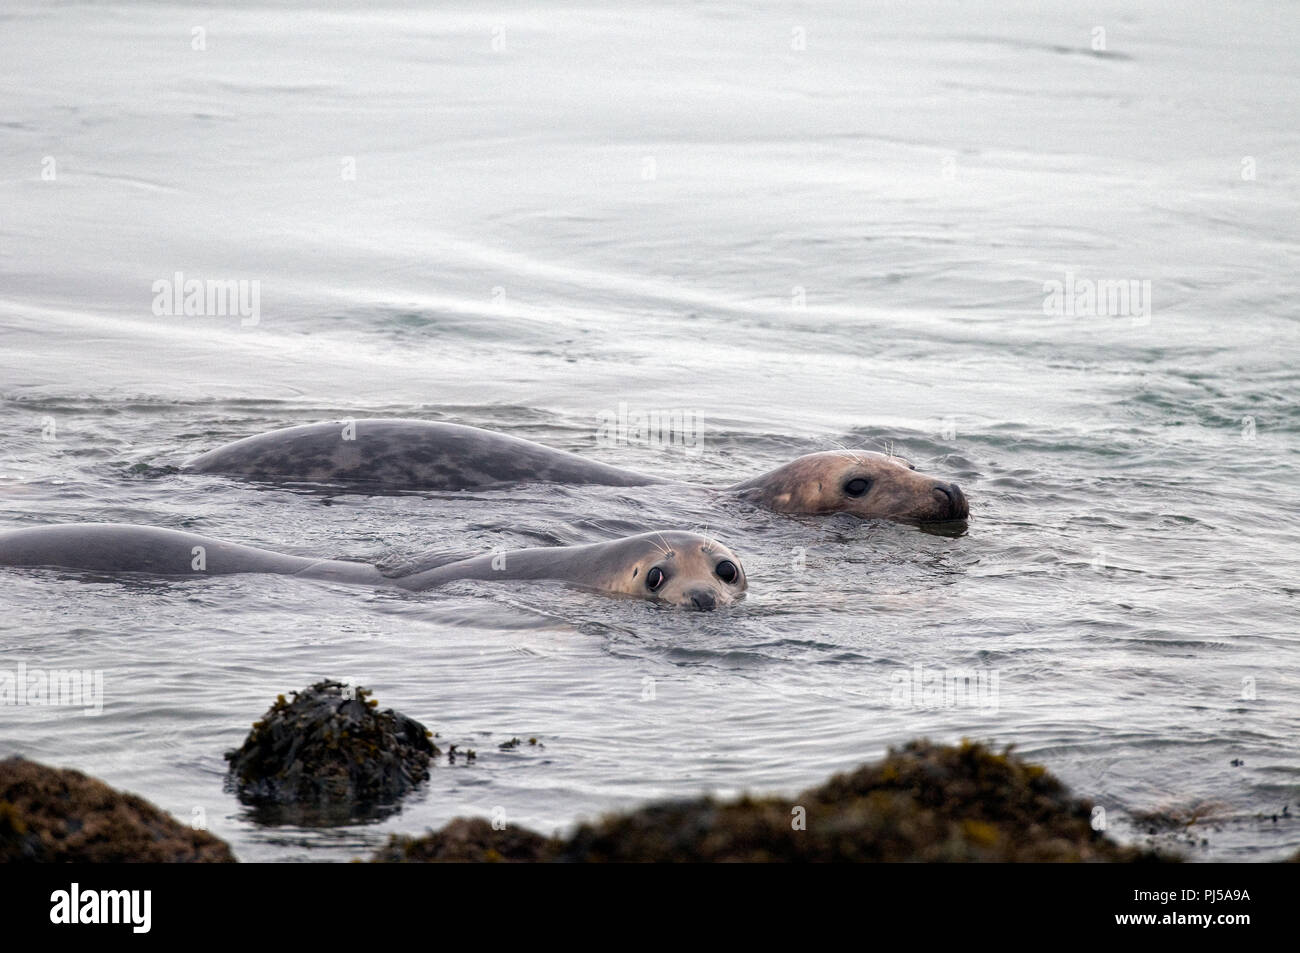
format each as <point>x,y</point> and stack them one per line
<point>952,500</point>
<point>702,599</point>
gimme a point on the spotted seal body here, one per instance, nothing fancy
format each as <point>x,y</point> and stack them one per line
<point>674,567</point>
<point>404,455</point>
<point>398,454</point>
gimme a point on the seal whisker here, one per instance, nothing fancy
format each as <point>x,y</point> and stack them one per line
<point>852,454</point>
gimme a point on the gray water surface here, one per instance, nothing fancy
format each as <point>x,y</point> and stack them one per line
<point>799,230</point>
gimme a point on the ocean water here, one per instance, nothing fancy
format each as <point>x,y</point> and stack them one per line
<point>833,224</point>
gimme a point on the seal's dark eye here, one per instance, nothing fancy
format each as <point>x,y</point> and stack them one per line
<point>654,579</point>
<point>857,486</point>
<point>727,571</point>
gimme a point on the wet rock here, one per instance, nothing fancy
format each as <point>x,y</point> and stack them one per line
<point>467,839</point>
<point>48,815</point>
<point>329,756</point>
<point>923,802</point>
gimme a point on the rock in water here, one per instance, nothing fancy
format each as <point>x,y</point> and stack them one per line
<point>329,756</point>
<point>48,815</point>
<point>923,802</point>
<point>466,840</point>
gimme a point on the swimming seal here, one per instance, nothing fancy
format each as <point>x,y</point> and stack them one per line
<point>673,567</point>
<point>397,454</point>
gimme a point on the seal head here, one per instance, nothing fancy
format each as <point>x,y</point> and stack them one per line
<point>866,484</point>
<point>673,567</point>
<point>678,568</point>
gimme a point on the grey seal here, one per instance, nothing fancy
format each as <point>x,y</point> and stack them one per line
<point>384,454</point>
<point>673,566</point>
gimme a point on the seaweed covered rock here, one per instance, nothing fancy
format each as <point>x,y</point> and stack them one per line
<point>468,839</point>
<point>923,802</point>
<point>48,815</point>
<point>329,755</point>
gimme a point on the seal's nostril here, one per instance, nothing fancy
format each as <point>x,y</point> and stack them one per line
<point>957,507</point>
<point>703,600</point>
